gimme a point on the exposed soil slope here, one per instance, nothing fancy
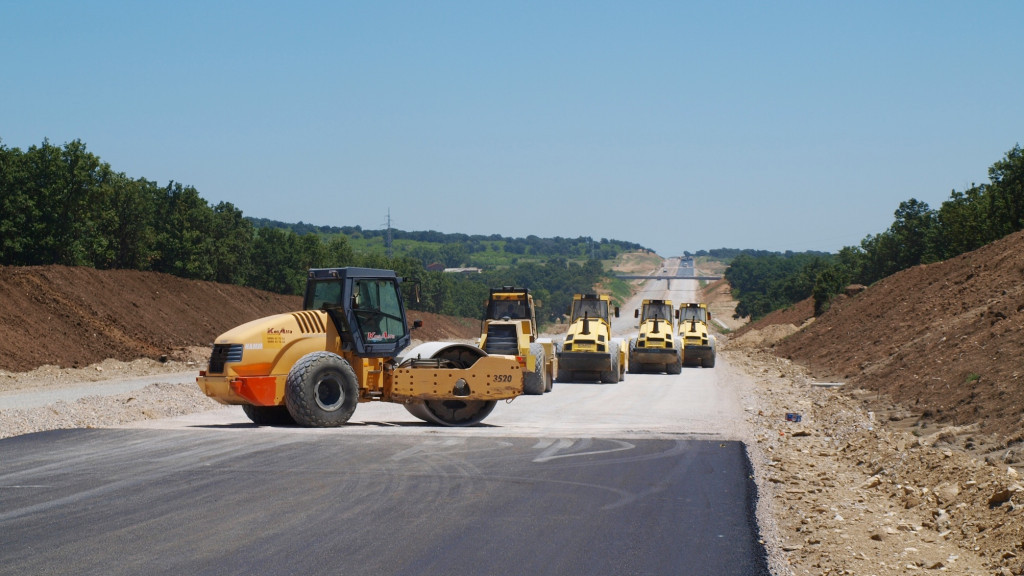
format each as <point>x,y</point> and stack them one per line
<point>944,340</point>
<point>73,317</point>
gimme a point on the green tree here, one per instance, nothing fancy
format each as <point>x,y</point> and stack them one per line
<point>18,211</point>
<point>453,255</point>
<point>426,254</point>
<point>850,263</point>
<point>1006,207</point>
<point>310,252</point>
<point>913,233</point>
<point>881,256</point>
<point>183,239</point>
<point>339,252</point>
<point>275,266</point>
<point>124,223</point>
<point>66,185</point>
<point>830,281</point>
<point>762,283</point>
<point>961,222</point>
<point>231,244</point>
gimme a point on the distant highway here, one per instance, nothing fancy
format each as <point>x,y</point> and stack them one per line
<point>674,269</point>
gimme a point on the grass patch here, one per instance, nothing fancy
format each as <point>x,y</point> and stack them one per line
<point>620,290</point>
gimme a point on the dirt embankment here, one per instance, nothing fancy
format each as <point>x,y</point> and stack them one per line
<point>915,462</point>
<point>74,317</point>
<point>942,340</point>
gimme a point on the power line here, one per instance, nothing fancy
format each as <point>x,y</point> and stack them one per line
<point>387,239</point>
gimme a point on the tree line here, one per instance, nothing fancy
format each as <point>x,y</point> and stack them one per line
<point>455,249</point>
<point>64,205</point>
<point>919,234</point>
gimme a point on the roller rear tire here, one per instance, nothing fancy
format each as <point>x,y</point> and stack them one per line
<point>622,353</point>
<point>633,366</point>
<point>675,367</point>
<point>612,375</point>
<point>534,382</point>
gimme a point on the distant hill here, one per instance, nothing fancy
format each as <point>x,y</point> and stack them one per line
<point>457,249</point>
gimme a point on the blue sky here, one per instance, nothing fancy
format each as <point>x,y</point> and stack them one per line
<point>676,125</point>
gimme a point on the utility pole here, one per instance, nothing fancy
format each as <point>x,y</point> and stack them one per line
<point>387,239</point>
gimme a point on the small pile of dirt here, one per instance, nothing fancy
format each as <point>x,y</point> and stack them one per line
<point>796,315</point>
<point>761,337</point>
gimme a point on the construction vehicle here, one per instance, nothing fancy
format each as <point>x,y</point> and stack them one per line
<point>510,327</point>
<point>312,367</point>
<point>656,348</point>
<point>588,350</point>
<point>699,345</point>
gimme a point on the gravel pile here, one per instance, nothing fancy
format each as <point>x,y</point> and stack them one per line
<point>159,400</point>
<point>152,402</point>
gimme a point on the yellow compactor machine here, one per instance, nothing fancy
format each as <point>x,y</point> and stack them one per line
<point>314,366</point>
<point>510,327</point>
<point>588,350</point>
<point>656,348</point>
<point>699,345</point>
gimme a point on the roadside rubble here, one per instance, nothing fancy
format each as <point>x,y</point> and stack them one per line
<point>850,495</point>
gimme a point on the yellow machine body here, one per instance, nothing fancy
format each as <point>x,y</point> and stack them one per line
<point>699,344</point>
<point>510,327</point>
<point>588,350</point>
<point>656,347</point>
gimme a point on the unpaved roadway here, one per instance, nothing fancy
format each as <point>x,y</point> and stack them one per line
<point>699,403</point>
<point>647,476</point>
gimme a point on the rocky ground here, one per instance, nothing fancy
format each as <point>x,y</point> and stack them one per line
<point>930,361</point>
<point>847,494</point>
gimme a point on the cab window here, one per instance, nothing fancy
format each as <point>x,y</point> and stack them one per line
<point>660,311</point>
<point>325,295</point>
<point>378,310</point>
<point>590,308</point>
<point>507,308</point>
<point>690,313</point>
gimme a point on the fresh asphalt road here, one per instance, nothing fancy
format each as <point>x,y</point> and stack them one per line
<point>200,502</point>
<point>646,476</point>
